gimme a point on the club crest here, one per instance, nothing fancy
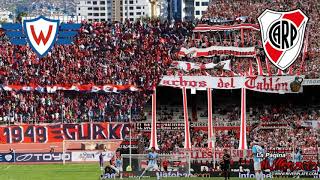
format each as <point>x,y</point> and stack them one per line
<point>41,33</point>
<point>282,35</point>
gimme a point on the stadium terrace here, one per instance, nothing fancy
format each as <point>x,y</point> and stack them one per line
<point>157,98</point>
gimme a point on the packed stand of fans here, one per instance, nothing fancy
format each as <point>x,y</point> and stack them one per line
<point>102,54</point>
<point>68,107</point>
<point>221,12</point>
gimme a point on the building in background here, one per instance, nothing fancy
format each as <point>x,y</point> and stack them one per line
<point>113,10</point>
<point>200,7</point>
<point>119,10</point>
<point>187,9</point>
<point>95,10</point>
<point>135,9</point>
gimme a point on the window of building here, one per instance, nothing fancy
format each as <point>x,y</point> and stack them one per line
<point>96,8</point>
<point>103,20</point>
<point>88,2</point>
<point>89,8</point>
<point>205,4</point>
<point>102,14</point>
<point>96,14</point>
<point>102,8</point>
<point>130,2</point>
<point>139,13</point>
<point>131,8</point>
<point>197,12</point>
<point>197,3</point>
<point>102,2</point>
<point>131,14</point>
<point>79,9</point>
<point>138,7</point>
<point>94,2</point>
<point>131,19</point>
<point>89,14</point>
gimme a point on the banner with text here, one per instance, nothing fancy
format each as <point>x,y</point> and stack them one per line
<point>90,156</point>
<point>59,132</point>
<point>35,157</point>
<point>218,50</point>
<point>188,66</point>
<point>275,84</point>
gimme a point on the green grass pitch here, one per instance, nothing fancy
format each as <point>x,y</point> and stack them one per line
<point>64,172</point>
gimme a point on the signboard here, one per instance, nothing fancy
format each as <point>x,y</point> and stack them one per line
<point>90,156</point>
<point>164,126</point>
<point>35,157</point>
<point>59,132</point>
<point>274,84</point>
<point>7,157</point>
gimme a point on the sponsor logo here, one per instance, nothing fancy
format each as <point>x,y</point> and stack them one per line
<point>173,174</point>
<point>108,176</point>
<point>41,34</point>
<point>282,35</point>
<point>252,175</point>
<point>4,157</point>
<point>8,157</point>
<point>86,155</point>
<point>90,156</point>
<point>43,157</point>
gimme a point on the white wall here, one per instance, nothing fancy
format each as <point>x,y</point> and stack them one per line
<point>200,6</point>
<point>134,9</point>
<point>95,10</point>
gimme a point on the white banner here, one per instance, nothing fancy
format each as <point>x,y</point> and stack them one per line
<point>311,123</point>
<point>311,82</point>
<point>187,66</point>
<point>90,156</point>
<point>275,84</point>
<point>218,50</point>
<point>205,27</point>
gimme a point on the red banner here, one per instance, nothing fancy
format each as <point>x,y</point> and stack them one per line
<point>59,132</point>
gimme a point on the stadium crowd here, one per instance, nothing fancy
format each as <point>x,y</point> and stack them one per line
<point>237,12</point>
<point>126,53</point>
<point>68,107</point>
<point>103,53</point>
